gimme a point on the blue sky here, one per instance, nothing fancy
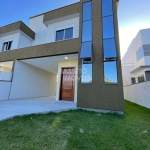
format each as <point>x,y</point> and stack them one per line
<point>133,15</point>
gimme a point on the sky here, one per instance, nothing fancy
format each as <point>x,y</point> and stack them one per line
<point>133,15</point>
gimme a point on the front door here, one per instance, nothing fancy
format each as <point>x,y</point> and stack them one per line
<point>67,84</point>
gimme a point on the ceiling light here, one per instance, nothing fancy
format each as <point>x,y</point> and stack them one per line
<point>66,57</point>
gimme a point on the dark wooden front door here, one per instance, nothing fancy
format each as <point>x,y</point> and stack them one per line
<point>67,84</point>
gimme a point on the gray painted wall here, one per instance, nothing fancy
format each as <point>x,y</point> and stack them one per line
<point>29,81</point>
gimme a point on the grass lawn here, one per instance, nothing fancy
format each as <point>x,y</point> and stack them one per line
<point>78,130</point>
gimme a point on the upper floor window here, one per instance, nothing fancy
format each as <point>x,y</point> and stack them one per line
<point>64,34</point>
<point>140,53</point>
<point>107,8</point>
<point>6,45</point>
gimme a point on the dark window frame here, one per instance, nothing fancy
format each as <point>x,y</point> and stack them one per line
<point>64,34</point>
<point>8,46</point>
<point>90,62</point>
<point>113,58</point>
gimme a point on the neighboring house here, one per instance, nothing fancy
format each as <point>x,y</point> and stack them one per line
<point>136,69</point>
<point>71,53</point>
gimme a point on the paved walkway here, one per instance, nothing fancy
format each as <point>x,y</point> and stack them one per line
<point>12,108</point>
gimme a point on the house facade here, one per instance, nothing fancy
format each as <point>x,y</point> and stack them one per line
<point>71,53</point>
<point>136,61</point>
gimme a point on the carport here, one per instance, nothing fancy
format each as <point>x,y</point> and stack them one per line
<point>20,107</point>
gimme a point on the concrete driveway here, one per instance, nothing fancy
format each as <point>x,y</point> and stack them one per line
<point>12,108</point>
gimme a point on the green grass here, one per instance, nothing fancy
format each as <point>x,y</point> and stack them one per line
<point>78,130</point>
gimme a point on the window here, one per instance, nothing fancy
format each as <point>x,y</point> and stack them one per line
<point>140,53</point>
<point>141,79</point>
<point>64,34</point>
<point>87,31</point>
<point>108,27</point>
<point>107,8</point>
<point>110,72</point>
<point>7,46</point>
<point>133,81</point>
<point>86,50</point>
<point>109,48</point>
<point>109,43</point>
<point>86,76</point>
<point>87,11</point>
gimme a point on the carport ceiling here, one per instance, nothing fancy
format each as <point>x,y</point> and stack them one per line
<point>8,64</point>
<point>49,63</point>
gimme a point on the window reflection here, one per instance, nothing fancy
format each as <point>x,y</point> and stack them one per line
<point>59,35</point>
<point>107,8</point>
<point>87,31</point>
<point>86,50</point>
<point>110,72</point>
<point>109,48</point>
<point>87,11</point>
<point>69,33</point>
<point>140,53</point>
<point>86,76</point>
<point>108,27</point>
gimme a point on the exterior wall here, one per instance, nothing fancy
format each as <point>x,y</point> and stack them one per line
<point>4,90</point>
<point>52,28</point>
<point>142,38</point>
<point>99,95</point>
<point>145,36</point>
<point>5,76</point>
<point>138,93</point>
<point>48,34</point>
<point>11,37</point>
<point>37,25</point>
<point>29,81</point>
<point>50,49</point>
<point>71,63</point>
<point>147,60</point>
<point>24,41</point>
<point>126,74</point>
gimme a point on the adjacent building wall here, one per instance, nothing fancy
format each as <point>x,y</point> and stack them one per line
<point>138,93</point>
<point>63,64</point>
<point>4,90</point>
<point>29,81</point>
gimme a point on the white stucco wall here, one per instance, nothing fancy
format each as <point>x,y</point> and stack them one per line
<point>4,90</point>
<point>138,93</point>
<point>126,74</point>
<point>147,60</point>
<point>145,36</point>
<point>29,81</point>
<point>24,41</point>
<point>52,28</point>
<point>47,34</point>
<point>36,24</point>
<point>71,63</point>
<point>5,76</point>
